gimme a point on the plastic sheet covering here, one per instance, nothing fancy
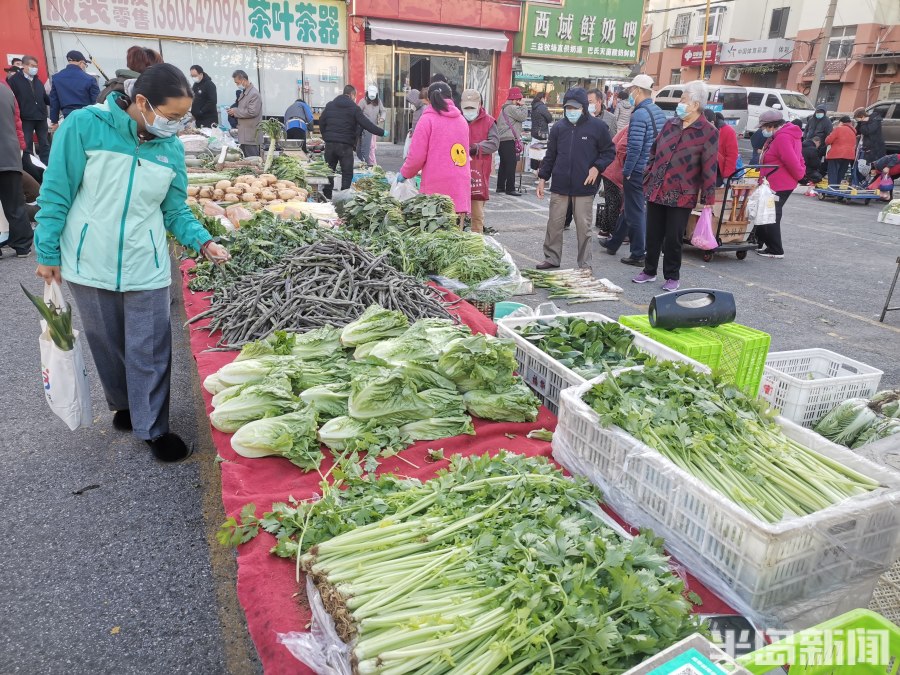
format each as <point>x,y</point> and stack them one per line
<point>321,649</point>
<point>885,452</point>
<point>495,289</point>
<point>794,573</point>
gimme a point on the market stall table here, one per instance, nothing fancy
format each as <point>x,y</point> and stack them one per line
<point>266,585</point>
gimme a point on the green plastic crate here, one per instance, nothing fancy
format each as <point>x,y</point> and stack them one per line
<point>735,352</point>
<point>834,642</point>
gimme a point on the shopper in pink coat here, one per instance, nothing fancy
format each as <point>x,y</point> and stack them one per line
<point>783,149</point>
<point>440,150</point>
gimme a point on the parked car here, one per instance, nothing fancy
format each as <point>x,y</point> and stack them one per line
<point>890,126</point>
<point>792,104</point>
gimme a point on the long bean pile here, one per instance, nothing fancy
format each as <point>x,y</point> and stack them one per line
<point>720,436</point>
<point>497,566</point>
<point>329,282</point>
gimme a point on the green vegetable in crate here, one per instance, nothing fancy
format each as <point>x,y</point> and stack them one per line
<point>292,436</point>
<point>723,438</point>
<point>883,427</point>
<point>497,566</point>
<point>847,421</point>
<point>376,323</point>
<point>254,403</point>
<point>516,403</point>
<point>584,346</point>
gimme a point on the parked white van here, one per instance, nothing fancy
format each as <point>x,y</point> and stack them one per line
<point>792,104</point>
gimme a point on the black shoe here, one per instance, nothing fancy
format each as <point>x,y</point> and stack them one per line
<point>122,420</point>
<point>169,448</point>
<point>490,230</point>
<point>604,240</point>
<point>514,193</point>
<point>20,253</point>
<point>634,262</point>
<point>546,266</point>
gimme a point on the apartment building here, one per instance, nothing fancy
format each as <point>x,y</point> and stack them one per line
<point>775,43</point>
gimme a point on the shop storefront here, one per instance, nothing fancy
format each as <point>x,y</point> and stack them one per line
<point>287,49</point>
<point>758,63</point>
<point>586,43</point>
<point>399,49</point>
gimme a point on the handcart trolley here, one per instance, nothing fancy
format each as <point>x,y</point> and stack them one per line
<point>734,234</point>
<point>854,191</point>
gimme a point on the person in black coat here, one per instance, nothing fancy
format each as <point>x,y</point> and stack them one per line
<point>757,141</point>
<point>540,123</point>
<point>340,123</point>
<point>810,151</point>
<point>33,104</point>
<point>818,125</point>
<point>204,106</point>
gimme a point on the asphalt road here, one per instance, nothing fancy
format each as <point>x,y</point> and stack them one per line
<point>109,559</point>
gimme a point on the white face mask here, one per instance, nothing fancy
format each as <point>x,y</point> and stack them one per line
<point>33,71</point>
<point>196,78</point>
<point>592,108</point>
<point>470,114</point>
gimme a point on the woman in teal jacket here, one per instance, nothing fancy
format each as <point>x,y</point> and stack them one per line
<point>114,186</point>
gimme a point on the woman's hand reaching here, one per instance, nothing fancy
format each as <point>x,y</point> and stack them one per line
<point>49,273</point>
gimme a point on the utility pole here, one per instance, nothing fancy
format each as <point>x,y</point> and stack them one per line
<point>823,52</point>
<point>706,34</point>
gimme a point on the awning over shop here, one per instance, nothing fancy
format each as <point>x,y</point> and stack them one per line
<point>567,69</point>
<point>438,35</point>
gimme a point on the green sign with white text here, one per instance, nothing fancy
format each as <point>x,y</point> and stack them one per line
<point>582,30</point>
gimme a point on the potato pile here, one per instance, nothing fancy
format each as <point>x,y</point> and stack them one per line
<point>254,191</point>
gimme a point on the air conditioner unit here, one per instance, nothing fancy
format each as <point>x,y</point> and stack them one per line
<point>733,74</point>
<point>885,68</point>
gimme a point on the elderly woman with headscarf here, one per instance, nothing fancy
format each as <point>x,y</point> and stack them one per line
<point>682,166</point>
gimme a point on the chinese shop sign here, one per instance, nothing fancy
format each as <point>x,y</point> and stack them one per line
<point>582,30</point>
<point>320,23</point>
<point>693,55</point>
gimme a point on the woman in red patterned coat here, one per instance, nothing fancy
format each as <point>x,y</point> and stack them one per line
<point>682,167</point>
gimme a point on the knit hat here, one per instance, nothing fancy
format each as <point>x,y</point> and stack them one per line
<point>515,94</point>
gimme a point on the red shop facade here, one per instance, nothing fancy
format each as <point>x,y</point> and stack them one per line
<point>398,45</point>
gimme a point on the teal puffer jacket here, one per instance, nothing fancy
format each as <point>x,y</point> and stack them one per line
<point>108,200</point>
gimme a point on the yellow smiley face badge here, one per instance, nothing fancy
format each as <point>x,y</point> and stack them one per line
<point>458,154</point>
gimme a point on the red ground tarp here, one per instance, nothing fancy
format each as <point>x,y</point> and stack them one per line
<point>266,585</point>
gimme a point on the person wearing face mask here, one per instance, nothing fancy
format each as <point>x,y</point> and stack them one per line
<point>33,102</point>
<point>484,139</point>
<point>682,167</point>
<point>597,108</point>
<point>373,110</point>
<point>509,124</point>
<point>205,98</point>
<point>623,110</point>
<point>578,151</point>
<point>115,187</point>
<point>783,149</point>
<point>71,88</point>
<point>248,112</point>
<point>841,144</point>
<point>644,124</point>
<point>818,125</point>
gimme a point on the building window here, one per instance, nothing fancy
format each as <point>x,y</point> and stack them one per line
<point>841,44</point>
<point>716,23</point>
<point>675,76</point>
<point>682,28</point>
<point>778,27</point>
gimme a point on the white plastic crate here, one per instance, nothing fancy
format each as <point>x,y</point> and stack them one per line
<point>763,570</point>
<point>548,377</point>
<point>807,384</point>
<point>677,655</point>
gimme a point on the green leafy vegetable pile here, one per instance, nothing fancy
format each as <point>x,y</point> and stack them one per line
<point>586,347</point>
<point>857,422</point>
<point>375,386</point>
<point>372,211</point>
<point>289,168</point>
<point>429,213</point>
<point>259,243</point>
<point>497,565</point>
<point>724,439</point>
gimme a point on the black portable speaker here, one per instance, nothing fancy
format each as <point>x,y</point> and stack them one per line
<point>691,308</point>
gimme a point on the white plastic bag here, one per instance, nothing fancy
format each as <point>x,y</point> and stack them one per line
<point>761,205</point>
<point>63,373</point>
<point>4,227</point>
<point>402,191</point>
<point>406,145</point>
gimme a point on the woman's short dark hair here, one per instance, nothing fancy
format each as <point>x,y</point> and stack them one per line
<point>239,73</point>
<point>438,93</point>
<point>438,77</point>
<point>710,116</point>
<point>198,69</point>
<point>538,97</point>
<point>139,58</point>
<point>161,82</point>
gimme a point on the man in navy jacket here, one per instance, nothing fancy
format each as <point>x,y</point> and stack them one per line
<point>33,101</point>
<point>646,121</point>
<point>72,88</point>
<point>578,151</point>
